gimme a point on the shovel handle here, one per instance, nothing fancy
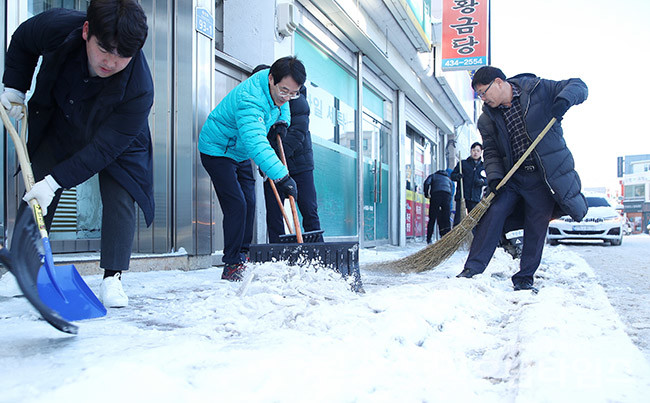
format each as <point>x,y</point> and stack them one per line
<point>25,166</point>
<point>277,198</point>
<point>292,202</point>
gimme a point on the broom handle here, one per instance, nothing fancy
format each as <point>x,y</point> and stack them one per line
<point>25,166</point>
<point>526,154</point>
<point>460,168</point>
<point>292,202</point>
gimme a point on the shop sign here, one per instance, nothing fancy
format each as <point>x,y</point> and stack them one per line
<point>465,34</point>
<point>633,207</point>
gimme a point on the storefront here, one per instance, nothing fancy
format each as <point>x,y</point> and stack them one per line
<point>379,119</point>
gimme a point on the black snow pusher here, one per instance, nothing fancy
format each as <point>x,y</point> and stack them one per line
<point>308,248</point>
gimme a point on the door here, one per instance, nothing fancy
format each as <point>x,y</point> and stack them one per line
<point>375,181</point>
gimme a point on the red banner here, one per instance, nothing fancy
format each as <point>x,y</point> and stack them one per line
<point>465,34</point>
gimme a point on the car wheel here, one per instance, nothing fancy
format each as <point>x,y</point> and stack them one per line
<point>552,242</point>
<point>616,242</point>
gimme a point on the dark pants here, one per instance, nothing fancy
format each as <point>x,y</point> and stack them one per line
<point>307,204</point>
<point>468,204</point>
<point>530,188</point>
<point>439,210</point>
<point>235,186</point>
<point>118,213</point>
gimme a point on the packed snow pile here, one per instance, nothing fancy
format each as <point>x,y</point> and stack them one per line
<point>298,333</point>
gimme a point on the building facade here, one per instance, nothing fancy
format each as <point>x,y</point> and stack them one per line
<point>383,115</point>
<point>636,191</point>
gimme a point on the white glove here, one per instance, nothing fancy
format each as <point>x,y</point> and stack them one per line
<point>43,192</point>
<point>11,95</point>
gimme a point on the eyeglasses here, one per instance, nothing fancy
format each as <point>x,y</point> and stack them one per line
<point>481,94</point>
<point>285,93</point>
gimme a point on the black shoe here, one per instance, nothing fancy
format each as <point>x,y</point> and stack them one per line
<point>233,271</point>
<point>525,285</point>
<point>466,273</point>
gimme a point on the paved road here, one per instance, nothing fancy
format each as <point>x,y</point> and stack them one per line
<point>624,272</point>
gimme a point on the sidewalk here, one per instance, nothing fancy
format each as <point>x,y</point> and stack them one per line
<point>296,334</point>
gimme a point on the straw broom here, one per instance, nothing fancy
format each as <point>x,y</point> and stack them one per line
<point>434,254</point>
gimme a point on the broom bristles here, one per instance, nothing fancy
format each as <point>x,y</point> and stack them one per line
<point>436,253</point>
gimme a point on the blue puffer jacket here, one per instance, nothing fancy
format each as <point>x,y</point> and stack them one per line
<point>237,127</point>
<point>552,154</point>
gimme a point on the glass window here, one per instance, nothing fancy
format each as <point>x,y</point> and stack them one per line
<point>36,7</point>
<point>635,191</point>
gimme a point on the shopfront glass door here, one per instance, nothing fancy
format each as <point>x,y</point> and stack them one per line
<point>375,181</point>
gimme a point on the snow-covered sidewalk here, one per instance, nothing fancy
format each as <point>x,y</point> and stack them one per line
<point>296,334</point>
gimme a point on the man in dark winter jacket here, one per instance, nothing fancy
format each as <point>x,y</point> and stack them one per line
<point>472,180</point>
<point>296,142</point>
<point>88,115</point>
<point>437,188</point>
<point>516,110</point>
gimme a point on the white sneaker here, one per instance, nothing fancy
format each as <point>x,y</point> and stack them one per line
<point>111,293</point>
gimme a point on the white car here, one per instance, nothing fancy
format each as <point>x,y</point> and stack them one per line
<point>602,222</point>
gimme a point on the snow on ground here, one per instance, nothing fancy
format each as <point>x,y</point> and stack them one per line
<point>296,334</point>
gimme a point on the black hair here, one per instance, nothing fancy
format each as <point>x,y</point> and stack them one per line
<point>476,144</point>
<point>260,67</point>
<point>118,25</point>
<point>289,66</point>
<point>486,74</point>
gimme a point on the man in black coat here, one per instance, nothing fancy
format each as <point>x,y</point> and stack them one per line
<point>88,115</point>
<point>472,180</point>
<point>437,188</point>
<point>515,111</point>
<point>296,142</point>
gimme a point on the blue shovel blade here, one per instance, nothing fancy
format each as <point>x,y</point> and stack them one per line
<point>62,289</point>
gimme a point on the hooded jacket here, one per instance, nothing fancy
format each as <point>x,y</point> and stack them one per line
<point>117,137</point>
<point>238,126</point>
<point>551,155</point>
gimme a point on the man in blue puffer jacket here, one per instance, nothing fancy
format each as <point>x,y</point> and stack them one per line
<point>515,111</point>
<point>234,133</point>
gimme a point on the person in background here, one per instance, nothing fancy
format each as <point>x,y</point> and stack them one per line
<point>297,146</point>
<point>235,132</point>
<point>515,111</point>
<point>88,115</point>
<point>437,188</point>
<point>472,180</point>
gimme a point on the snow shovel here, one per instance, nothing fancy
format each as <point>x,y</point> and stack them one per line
<point>298,236</point>
<point>25,264</point>
<point>60,288</point>
<point>340,256</point>
<point>434,254</point>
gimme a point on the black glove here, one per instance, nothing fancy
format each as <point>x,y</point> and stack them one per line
<point>280,127</point>
<point>492,186</point>
<point>559,108</point>
<point>287,186</point>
